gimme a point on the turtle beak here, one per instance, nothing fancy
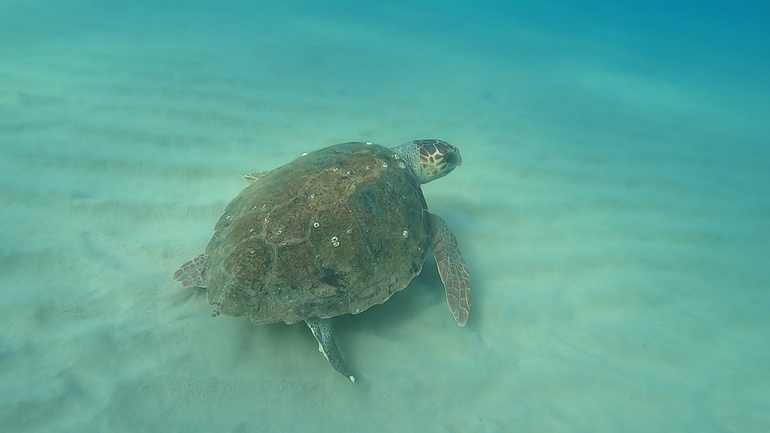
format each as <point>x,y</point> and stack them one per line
<point>453,159</point>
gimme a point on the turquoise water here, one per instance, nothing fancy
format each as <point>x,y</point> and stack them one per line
<point>612,207</point>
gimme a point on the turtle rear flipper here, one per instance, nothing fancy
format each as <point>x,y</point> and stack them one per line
<point>451,269</point>
<point>254,176</point>
<point>324,332</point>
<point>191,273</point>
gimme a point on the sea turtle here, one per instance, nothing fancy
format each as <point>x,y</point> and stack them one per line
<point>333,232</point>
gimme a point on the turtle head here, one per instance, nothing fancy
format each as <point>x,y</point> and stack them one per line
<point>429,159</point>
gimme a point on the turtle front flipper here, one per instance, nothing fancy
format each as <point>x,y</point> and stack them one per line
<point>451,269</point>
<point>324,333</point>
<point>191,273</point>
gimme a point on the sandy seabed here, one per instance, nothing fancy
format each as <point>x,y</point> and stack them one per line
<point>613,211</point>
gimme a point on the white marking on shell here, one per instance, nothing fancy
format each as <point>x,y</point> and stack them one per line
<point>384,165</point>
<point>349,231</point>
<point>405,233</point>
<point>401,165</point>
<point>368,143</point>
<point>312,195</point>
<point>335,241</point>
<point>304,154</point>
<point>315,224</point>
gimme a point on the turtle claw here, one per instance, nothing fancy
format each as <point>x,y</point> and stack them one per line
<point>451,269</point>
<point>323,332</point>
